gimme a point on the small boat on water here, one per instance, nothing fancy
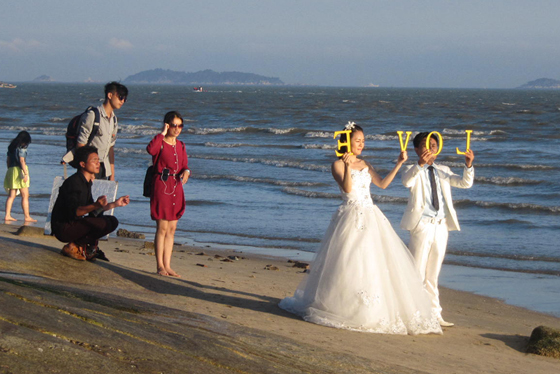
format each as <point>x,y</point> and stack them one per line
<point>7,85</point>
<point>198,89</point>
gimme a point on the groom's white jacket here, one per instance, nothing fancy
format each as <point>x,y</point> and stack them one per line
<point>413,179</point>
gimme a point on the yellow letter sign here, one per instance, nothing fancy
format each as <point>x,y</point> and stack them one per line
<point>440,141</point>
<point>405,144</point>
<point>346,143</point>
<point>468,143</point>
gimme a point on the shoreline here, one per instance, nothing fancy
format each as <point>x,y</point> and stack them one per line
<point>534,291</point>
<point>489,336</point>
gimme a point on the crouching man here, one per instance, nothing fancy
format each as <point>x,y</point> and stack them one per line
<point>78,220</point>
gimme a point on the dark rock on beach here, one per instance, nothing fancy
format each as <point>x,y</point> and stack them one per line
<point>544,341</point>
<point>301,265</point>
<point>130,234</point>
<point>31,231</point>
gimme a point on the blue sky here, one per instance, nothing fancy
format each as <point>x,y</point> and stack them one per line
<point>393,43</point>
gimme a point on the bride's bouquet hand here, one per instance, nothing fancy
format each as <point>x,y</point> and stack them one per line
<point>348,158</point>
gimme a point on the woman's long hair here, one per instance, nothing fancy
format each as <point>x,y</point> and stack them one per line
<point>23,139</point>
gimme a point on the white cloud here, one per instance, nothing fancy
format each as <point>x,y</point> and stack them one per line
<point>18,45</point>
<point>121,44</point>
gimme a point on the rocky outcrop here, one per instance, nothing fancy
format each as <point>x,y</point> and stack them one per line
<point>130,234</point>
<point>544,341</point>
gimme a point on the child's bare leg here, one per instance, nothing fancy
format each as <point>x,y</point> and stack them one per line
<point>25,204</point>
<point>9,203</point>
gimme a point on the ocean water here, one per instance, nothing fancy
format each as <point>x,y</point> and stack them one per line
<point>260,160</point>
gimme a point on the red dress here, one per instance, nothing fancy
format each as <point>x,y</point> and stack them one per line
<point>168,198</point>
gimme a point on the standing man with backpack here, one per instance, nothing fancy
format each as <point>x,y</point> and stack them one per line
<point>103,135</point>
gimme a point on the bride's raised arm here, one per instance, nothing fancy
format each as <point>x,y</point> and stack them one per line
<point>385,182</point>
<point>341,172</point>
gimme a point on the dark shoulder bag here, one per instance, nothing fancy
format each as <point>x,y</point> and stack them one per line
<point>149,177</point>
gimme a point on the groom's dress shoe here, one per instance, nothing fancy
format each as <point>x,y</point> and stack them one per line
<point>443,323</point>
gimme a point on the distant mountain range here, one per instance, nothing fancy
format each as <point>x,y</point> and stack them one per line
<point>542,83</point>
<point>203,77</point>
<point>43,78</point>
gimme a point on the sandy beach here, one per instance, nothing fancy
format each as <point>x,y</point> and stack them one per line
<point>489,337</point>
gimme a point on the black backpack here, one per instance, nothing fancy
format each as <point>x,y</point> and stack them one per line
<point>73,129</point>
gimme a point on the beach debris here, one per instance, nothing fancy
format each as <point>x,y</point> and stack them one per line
<point>31,231</point>
<point>201,254</point>
<point>149,245</point>
<point>271,267</point>
<point>218,256</point>
<point>300,265</point>
<point>122,250</point>
<point>130,234</point>
<point>235,258</point>
<point>252,276</point>
<point>544,341</point>
<point>202,265</point>
<point>227,260</point>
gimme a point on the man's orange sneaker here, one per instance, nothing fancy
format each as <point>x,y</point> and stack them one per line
<point>73,251</point>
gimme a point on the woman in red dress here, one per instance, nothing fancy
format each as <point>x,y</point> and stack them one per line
<point>167,202</point>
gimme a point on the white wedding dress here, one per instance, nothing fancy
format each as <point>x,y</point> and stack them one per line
<point>363,277</point>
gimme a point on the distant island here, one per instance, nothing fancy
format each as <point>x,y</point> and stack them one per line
<point>43,78</point>
<point>543,84</point>
<point>206,77</point>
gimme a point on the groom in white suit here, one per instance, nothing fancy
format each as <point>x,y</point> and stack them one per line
<point>430,215</point>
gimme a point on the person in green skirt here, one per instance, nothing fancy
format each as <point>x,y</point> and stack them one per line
<point>17,177</point>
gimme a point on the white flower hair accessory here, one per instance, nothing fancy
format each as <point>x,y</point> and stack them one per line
<point>350,125</point>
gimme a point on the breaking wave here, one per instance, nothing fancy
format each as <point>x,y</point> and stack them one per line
<point>507,181</point>
<point>276,163</point>
<point>270,181</point>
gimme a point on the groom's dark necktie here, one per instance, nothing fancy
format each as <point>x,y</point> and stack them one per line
<point>435,200</point>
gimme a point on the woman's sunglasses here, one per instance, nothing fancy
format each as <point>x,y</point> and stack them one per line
<point>175,126</point>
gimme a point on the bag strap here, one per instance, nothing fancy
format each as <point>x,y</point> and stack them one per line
<point>157,158</point>
<point>95,127</point>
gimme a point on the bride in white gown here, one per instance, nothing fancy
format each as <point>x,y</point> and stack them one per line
<point>363,277</point>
